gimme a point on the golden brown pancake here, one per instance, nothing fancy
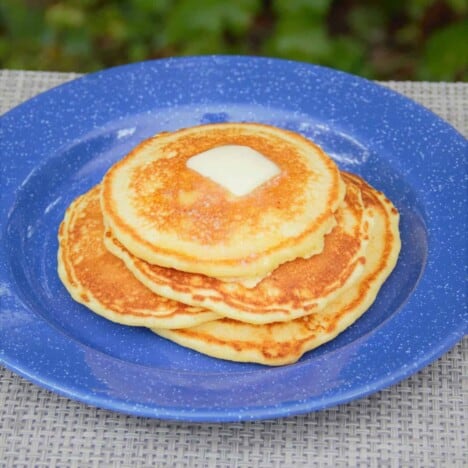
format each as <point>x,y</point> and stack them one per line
<point>100,281</point>
<point>294,289</point>
<point>169,215</point>
<point>285,342</point>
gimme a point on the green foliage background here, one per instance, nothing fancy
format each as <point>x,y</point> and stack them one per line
<point>415,39</point>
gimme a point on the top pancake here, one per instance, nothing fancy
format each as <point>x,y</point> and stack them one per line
<point>169,215</point>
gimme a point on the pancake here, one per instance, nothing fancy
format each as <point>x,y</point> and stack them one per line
<point>165,212</point>
<point>285,342</point>
<point>100,281</point>
<point>292,290</point>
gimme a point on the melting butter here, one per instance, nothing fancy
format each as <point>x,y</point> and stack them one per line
<point>237,168</point>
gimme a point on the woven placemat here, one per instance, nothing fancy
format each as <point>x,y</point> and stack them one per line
<point>420,422</point>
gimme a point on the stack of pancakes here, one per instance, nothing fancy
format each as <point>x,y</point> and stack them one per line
<point>258,274</point>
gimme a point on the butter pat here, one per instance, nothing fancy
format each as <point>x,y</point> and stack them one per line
<point>239,169</point>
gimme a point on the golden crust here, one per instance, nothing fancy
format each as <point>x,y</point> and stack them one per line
<point>171,216</point>
<point>100,281</point>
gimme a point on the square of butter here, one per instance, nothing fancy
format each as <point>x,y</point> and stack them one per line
<point>239,169</point>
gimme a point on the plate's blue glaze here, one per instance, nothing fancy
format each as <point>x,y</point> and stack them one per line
<point>60,143</point>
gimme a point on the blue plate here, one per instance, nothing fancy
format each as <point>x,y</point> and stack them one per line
<point>60,143</point>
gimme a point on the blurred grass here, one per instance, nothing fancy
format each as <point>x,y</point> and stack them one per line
<point>414,40</point>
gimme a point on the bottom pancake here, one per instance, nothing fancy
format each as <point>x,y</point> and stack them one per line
<point>285,342</point>
<point>99,280</point>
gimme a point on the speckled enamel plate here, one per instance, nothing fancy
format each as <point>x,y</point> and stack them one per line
<point>60,143</point>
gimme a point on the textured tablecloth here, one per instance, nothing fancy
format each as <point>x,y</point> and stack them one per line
<point>420,422</point>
